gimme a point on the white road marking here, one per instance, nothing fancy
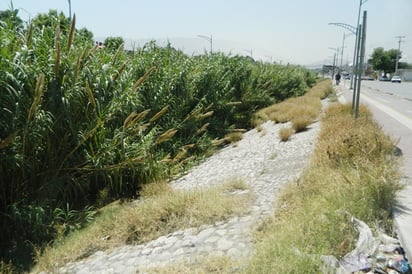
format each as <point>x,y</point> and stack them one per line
<point>391,112</point>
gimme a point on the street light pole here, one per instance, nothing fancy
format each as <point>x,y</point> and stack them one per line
<point>335,61</point>
<point>70,9</point>
<point>209,39</point>
<point>343,47</point>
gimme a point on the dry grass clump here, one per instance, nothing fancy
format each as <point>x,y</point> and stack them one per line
<point>353,172</point>
<point>301,123</point>
<point>358,142</point>
<point>285,134</point>
<point>233,137</point>
<point>161,211</point>
<point>308,105</point>
<point>322,90</point>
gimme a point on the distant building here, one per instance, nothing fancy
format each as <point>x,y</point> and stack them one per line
<point>406,74</point>
<point>100,45</point>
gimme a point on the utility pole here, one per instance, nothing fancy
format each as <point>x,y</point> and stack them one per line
<point>360,64</point>
<point>357,49</point>
<point>398,52</point>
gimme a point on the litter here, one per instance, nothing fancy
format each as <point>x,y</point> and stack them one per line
<point>371,255</point>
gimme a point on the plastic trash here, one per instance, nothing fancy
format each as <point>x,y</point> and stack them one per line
<point>366,245</point>
<point>399,264</point>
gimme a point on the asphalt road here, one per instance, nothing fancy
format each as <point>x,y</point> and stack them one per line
<point>391,105</point>
<point>403,90</point>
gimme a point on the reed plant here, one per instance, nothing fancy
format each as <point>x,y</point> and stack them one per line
<point>82,126</point>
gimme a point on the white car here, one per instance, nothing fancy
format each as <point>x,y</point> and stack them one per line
<point>396,79</point>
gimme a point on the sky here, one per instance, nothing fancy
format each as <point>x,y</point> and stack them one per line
<point>284,31</point>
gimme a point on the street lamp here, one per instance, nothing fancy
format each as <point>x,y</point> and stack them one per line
<point>209,39</point>
<point>353,30</point>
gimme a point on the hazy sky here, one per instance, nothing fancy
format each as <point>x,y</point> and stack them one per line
<point>294,31</point>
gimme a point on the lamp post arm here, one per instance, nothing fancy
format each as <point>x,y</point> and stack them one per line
<point>351,28</point>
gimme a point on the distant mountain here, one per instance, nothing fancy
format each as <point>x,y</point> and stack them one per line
<point>197,46</point>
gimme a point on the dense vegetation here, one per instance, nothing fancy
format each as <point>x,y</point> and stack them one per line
<point>81,126</point>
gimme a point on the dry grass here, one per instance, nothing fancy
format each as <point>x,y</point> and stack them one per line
<point>322,90</point>
<point>233,137</point>
<point>301,123</point>
<point>285,133</point>
<point>200,265</point>
<point>307,106</point>
<point>352,173</point>
<point>161,211</point>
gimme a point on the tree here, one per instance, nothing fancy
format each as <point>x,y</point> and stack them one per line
<point>85,34</point>
<point>11,18</point>
<point>113,43</point>
<point>384,60</point>
<point>51,20</point>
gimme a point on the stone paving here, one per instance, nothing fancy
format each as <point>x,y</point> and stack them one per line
<point>261,161</point>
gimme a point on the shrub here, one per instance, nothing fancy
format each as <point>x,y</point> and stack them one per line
<point>285,133</point>
<point>301,123</point>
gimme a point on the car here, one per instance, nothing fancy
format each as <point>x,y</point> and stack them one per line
<point>396,79</point>
<point>384,78</point>
<point>368,78</point>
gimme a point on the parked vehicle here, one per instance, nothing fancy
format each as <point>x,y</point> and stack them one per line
<point>367,77</point>
<point>396,79</point>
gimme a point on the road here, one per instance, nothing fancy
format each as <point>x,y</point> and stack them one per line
<point>391,105</point>
<point>392,98</point>
<point>403,90</point>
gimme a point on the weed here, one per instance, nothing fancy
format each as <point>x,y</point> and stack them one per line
<point>161,211</point>
<point>285,133</point>
<point>201,265</point>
